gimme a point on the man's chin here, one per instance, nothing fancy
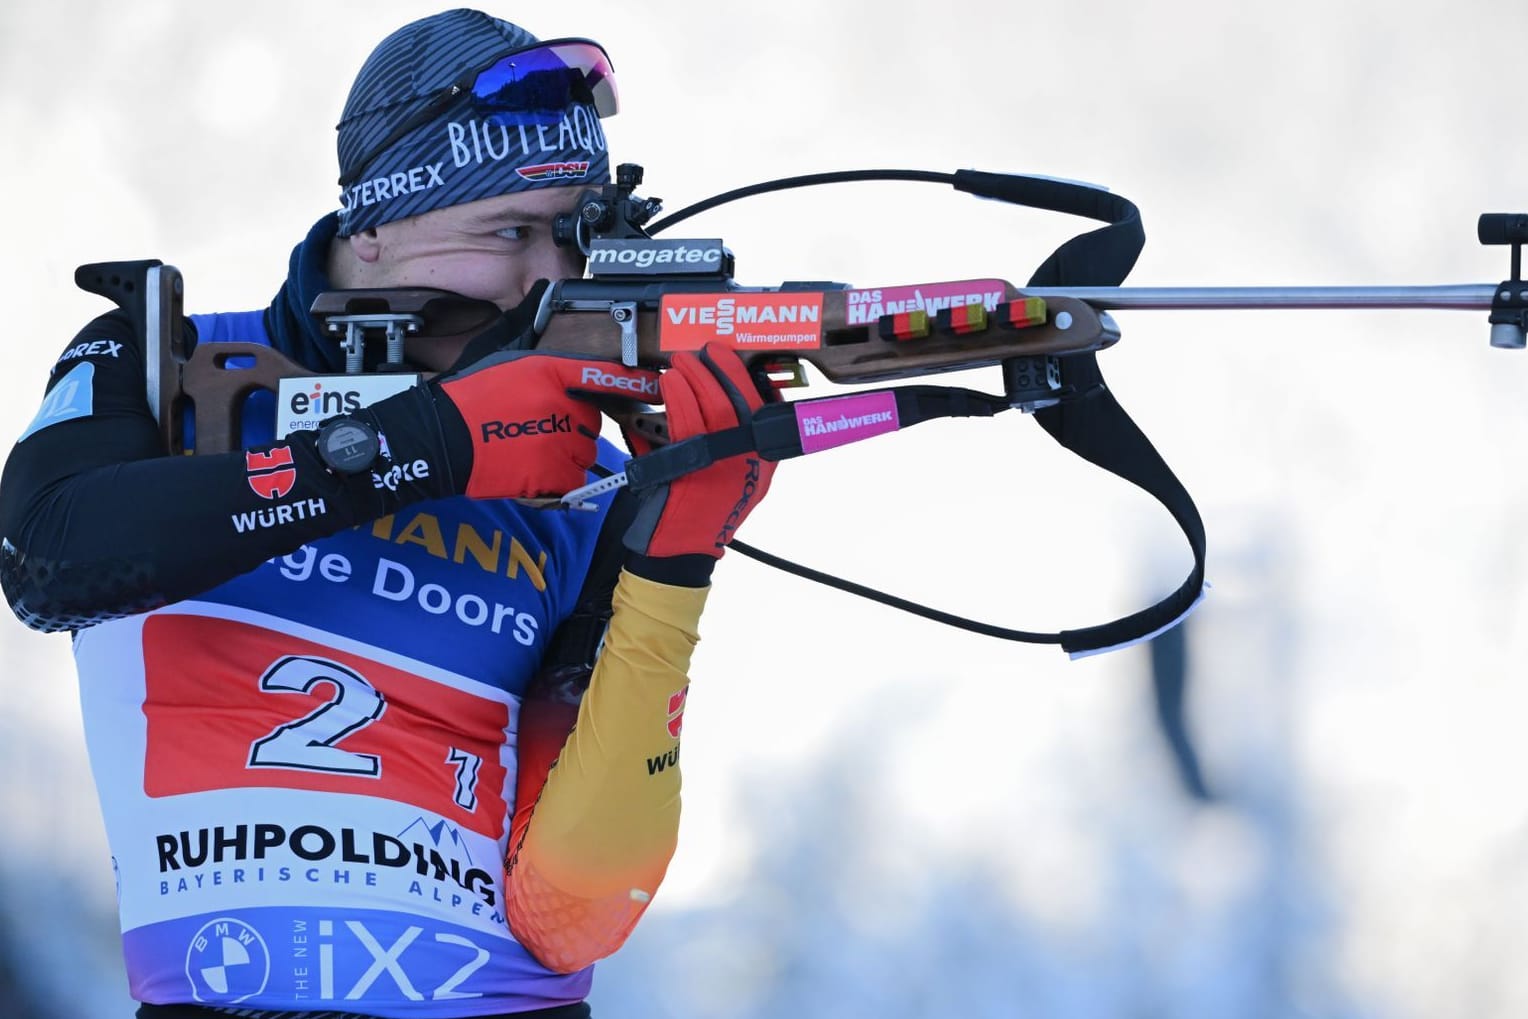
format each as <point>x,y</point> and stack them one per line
<point>435,354</point>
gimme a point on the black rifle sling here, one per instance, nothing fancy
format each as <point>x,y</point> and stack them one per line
<point>1096,427</point>
<point>1088,421</point>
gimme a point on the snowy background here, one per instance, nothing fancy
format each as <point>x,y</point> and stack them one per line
<point>883,816</point>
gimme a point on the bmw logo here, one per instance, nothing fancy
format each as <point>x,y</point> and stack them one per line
<point>227,961</point>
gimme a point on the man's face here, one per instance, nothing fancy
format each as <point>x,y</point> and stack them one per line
<point>493,249</point>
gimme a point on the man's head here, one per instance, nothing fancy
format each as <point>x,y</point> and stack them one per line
<point>462,139</point>
<point>461,106</point>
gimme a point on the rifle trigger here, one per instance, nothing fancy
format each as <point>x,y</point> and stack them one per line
<point>625,314</point>
<point>784,374</point>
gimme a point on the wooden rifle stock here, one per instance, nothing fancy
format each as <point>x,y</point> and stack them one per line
<point>215,380</point>
<point>848,352</point>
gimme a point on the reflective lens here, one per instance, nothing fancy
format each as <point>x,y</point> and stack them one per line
<point>539,84</point>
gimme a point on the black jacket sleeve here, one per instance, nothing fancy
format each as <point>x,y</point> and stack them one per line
<point>98,520</point>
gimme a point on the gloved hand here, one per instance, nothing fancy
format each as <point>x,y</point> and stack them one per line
<point>530,424</point>
<point>504,422</point>
<point>696,515</point>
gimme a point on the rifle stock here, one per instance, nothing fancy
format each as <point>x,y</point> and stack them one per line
<point>150,293</point>
<point>844,350</point>
<point>583,317</point>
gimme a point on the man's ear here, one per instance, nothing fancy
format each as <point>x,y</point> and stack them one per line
<point>365,245</point>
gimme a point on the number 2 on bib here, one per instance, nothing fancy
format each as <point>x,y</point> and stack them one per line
<point>309,743</point>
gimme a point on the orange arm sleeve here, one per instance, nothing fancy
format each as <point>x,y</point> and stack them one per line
<point>598,841</point>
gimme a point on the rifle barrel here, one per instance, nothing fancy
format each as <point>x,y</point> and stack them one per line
<point>1462,297</point>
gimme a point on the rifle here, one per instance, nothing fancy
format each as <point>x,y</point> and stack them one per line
<point>646,298</point>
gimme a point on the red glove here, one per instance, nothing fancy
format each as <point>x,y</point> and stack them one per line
<point>533,419</point>
<point>698,513</point>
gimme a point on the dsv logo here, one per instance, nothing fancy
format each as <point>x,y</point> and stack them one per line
<point>514,429</point>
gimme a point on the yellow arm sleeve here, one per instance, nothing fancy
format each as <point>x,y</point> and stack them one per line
<point>604,829</point>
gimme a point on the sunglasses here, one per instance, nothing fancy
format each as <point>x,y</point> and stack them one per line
<point>534,85</point>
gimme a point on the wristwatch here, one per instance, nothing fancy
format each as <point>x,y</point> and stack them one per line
<point>348,445</point>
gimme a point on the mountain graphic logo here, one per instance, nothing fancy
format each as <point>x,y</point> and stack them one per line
<point>441,835</point>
